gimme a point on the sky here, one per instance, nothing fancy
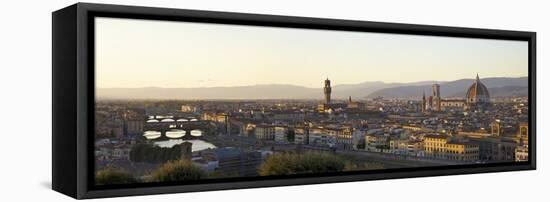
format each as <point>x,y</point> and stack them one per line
<point>133,53</point>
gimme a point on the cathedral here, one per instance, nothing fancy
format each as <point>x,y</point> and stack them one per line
<point>477,98</point>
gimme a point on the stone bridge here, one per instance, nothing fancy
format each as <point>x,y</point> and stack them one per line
<point>171,127</point>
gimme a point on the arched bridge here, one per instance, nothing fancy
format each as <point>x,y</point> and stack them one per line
<point>177,128</point>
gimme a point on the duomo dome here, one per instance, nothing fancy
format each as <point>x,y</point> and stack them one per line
<point>477,93</point>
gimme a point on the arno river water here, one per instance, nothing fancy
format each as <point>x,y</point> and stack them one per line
<point>198,145</point>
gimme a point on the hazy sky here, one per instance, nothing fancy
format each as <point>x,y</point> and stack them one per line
<point>148,53</point>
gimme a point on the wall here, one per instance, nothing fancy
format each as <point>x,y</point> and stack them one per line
<point>25,82</point>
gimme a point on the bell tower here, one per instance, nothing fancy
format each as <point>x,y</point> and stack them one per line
<point>327,91</point>
<point>423,106</point>
<point>436,97</point>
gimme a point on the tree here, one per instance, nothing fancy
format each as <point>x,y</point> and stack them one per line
<point>290,136</point>
<point>295,163</point>
<point>151,153</point>
<point>111,175</point>
<point>180,170</point>
<point>361,144</point>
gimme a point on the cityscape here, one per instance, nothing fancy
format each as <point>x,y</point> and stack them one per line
<point>188,101</point>
<point>149,140</point>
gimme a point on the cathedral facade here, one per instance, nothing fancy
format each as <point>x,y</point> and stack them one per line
<point>477,98</point>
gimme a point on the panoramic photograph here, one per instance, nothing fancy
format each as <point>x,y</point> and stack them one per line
<point>185,101</point>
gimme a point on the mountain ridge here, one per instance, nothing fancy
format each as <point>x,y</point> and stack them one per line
<point>368,89</point>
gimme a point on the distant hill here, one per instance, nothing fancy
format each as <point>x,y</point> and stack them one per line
<point>361,90</point>
<point>497,86</point>
<point>502,91</point>
<point>283,91</point>
<point>240,92</point>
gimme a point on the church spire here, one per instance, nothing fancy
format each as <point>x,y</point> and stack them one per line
<point>477,77</point>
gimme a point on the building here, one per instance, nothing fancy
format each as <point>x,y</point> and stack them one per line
<point>286,115</point>
<point>331,107</point>
<point>215,117</point>
<point>344,137</point>
<point>521,153</point>
<point>264,132</point>
<point>301,135</point>
<point>208,164</point>
<point>281,134</point>
<point>496,128</point>
<point>398,146</point>
<point>443,147</point>
<point>321,137</point>
<point>435,146</point>
<point>358,137</point>
<point>477,98</point>
<point>523,133</point>
<point>327,104</point>
<point>234,162</point>
<point>134,126</point>
<point>436,97</point>
<point>452,104</point>
<point>355,105</point>
<point>327,91</point>
<point>376,142</point>
<point>462,151</point>
<point>189,108</point>
<point>236,127</point>
<point>186,150</point>
<point>121,152</point>
<point>415,148</point>
<point>334,136</point>
<point>222,120</point>
<point>424,106</point>
<point>133,121</point>
<point>495,149</point>
<point>407,147</point>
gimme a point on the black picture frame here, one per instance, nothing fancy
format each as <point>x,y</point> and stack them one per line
<point>73,98</point>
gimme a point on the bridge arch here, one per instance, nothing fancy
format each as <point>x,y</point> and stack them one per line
<point>175,133</point>
<point>167,120</point>
<point>151,134</point>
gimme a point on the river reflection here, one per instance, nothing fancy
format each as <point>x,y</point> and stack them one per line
<point>198,145</point>
<point>152,134</point>
<point>175,133</point>
<point>173,140</point>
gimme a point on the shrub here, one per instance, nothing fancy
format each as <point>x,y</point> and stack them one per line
<point>294,163</point>
<point>180,170</point>
<point>111,175</point>
<point>151,153</point>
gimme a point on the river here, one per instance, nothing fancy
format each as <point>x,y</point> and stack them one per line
<point>198,145</point>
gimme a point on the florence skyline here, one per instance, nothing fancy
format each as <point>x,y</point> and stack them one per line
<point>148,53</point>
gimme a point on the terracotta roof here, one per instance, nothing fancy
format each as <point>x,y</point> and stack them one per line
<point>477,89</point>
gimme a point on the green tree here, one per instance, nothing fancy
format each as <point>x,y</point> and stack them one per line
<point>180,170</point>
<point>295,163</point>
<point>361,144</point>
<point>111,175</point>
<point>151,153</point>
